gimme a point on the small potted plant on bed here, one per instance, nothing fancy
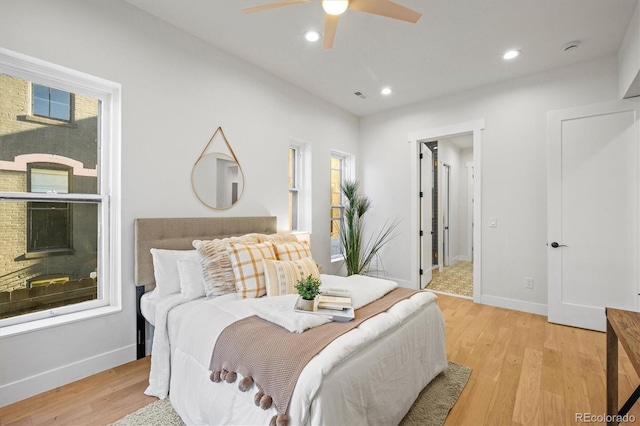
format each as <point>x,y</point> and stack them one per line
<point>308,288</point>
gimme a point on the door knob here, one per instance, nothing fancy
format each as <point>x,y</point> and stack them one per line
<point>556,245</point>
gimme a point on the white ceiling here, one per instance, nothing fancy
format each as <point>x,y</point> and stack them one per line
<point>455,46</point>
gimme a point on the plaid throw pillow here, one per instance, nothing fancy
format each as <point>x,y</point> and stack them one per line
<point>246,261</point>
<point>216,266</point>
<point>292,251</point>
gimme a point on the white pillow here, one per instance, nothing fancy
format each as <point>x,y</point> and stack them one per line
<point>165,269</point>
<point>191,279</point>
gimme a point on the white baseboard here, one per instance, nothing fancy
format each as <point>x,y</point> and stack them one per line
<point>500,302</point>
<point>516,305</point>
<point>402,283</point>
<point>33,385</point>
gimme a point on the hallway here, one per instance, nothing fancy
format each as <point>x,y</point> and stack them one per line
<point>454,279</point>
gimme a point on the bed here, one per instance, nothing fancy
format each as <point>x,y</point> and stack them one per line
<point>369,375</point>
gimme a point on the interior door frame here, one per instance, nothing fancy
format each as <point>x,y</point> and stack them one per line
<point>415,139</point>
<point>470,224</point>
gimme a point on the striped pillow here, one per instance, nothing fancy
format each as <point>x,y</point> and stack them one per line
<point>281,276</point>
<point>246,261</point>
<point>292,251</point>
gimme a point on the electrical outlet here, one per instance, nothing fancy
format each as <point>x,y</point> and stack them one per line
<point>528,282</point>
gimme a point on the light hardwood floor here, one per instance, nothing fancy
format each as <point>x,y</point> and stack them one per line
<point>525,371</point>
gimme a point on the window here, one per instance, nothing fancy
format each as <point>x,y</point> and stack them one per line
<point>59,195</point>
<point>50,102</point>
<point>294,185</point>
<point>340,171</point>
<point>48,224</point>
<point>299,186</point>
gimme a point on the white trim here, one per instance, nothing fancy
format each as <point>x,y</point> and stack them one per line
<point>109,142</point>
<point>401,283</point>
<point>415,139</point>
<point>41,196</point>
<point>470,224</point>
<point>303,182</point>
<point>513,304</point>
<point>449,294</point>
<point>53,75</point>
<point>38,383</point>
<point>97,309</point>
<point>348,173</point>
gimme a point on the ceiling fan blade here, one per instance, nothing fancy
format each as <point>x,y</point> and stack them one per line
<point>268,6</point>
<point>330,27</point>
<point>385,8</point>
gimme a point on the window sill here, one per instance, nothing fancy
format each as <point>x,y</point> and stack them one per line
<point>47,121</point>
<point>41,324</point>
<point>46,253</point>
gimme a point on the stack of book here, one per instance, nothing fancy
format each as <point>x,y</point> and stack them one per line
<point>336,303</point>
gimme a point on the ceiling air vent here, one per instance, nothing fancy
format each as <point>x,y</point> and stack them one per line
<point>361,95</point>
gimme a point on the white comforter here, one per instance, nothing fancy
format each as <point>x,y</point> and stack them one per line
<point>349,382</point>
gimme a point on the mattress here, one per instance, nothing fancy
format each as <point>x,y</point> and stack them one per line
<point>396,353</point>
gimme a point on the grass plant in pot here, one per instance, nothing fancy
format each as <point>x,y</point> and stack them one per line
<point>358,253</point>
<point>308,288</point>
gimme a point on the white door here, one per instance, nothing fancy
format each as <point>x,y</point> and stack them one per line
<point>426,214</point>
<point>593,214</point>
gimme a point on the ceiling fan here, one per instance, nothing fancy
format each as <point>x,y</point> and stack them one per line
<point>334,8</point>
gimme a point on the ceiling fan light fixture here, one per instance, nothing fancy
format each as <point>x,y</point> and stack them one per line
<point>335,7</point>
<point>312,36</point>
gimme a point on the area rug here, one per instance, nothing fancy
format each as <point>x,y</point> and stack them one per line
<point>430,409</point>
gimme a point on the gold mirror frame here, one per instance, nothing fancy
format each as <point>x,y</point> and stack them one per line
<point>217,179</point>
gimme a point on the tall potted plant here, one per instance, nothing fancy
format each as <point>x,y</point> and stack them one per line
<point>358,254</point>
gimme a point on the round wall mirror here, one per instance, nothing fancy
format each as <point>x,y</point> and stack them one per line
<point>217,180</point>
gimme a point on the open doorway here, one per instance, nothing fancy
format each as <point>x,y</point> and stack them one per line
<point>421,264</point>
<point>451,215</point>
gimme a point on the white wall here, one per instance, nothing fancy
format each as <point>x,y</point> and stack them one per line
<point>629,58</point>
<point>176,90</point>
<point>513,170</point>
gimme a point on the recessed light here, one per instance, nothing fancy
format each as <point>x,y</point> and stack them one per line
<point>312,36</point>
<point>511,54</point>
<point>386,91</point>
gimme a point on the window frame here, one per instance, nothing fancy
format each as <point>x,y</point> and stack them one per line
<point>109,299</point>
<point>303,184</point>
<point>346,173</point>
<point>294,187</point>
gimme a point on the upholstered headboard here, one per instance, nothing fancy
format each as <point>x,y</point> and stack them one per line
<point>178,233</point>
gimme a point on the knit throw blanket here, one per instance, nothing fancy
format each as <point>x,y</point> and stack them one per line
<point>272,358</point>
